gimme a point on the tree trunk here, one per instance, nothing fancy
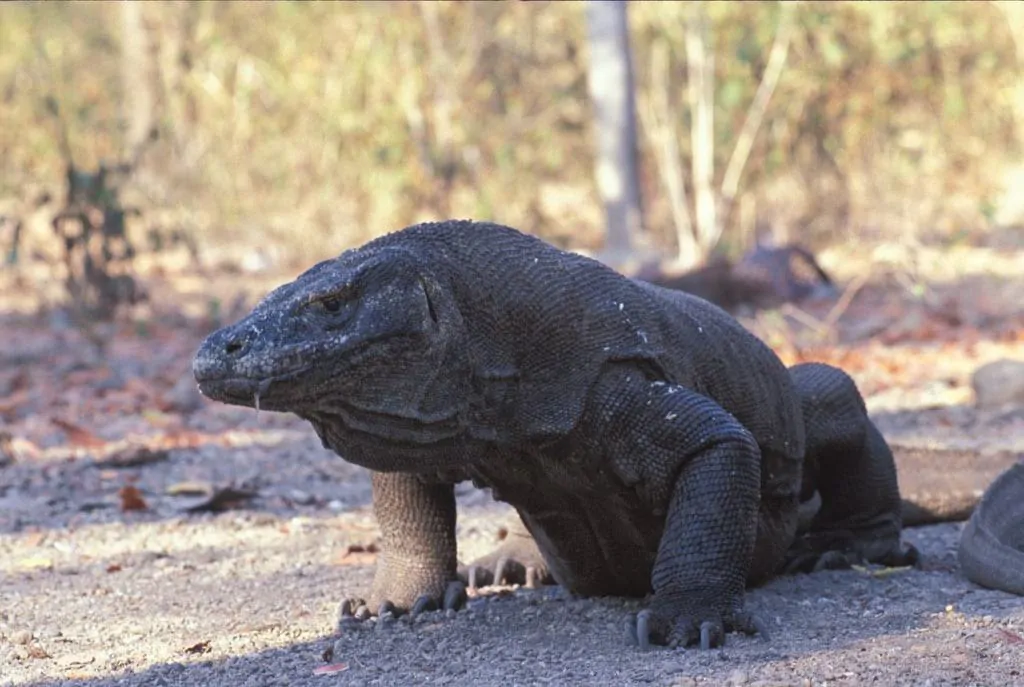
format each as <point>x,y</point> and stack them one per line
<point>136,78</point>
<point>610,82</point>
<point>700,63</point>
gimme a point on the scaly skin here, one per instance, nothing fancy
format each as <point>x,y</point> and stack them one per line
<point>992,544</point>
<point>649,443</point>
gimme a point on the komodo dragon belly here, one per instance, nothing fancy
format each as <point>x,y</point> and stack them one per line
<point>598,536</point>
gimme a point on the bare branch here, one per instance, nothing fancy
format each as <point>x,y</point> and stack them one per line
<point>759,105</point>
<point>657,118</point>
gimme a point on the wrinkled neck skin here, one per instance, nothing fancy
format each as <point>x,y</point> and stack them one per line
<point>399,403</point>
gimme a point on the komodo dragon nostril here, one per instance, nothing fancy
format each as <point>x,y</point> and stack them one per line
<point>234,346</point>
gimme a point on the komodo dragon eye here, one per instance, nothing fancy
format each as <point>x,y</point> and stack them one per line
<point>332,305</point>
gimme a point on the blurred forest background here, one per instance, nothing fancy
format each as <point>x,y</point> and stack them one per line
<point>279,133</point>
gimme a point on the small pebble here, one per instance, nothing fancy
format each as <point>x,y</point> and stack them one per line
<point>737,677</point>
<point>300,498</point>
<point>21,637</point>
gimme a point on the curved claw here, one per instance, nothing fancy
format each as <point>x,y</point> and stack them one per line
<point>832,560</point>
<point>347,614</point>
<point>362,613</point>
<point>711,634</point>
<point>531,577</point>
<point>643,629</point>
<point>454,596</point>
<point>346,608</point>
<point>501,568</point>
<point>422,604</point>
<point>471,577</point>
<point>386,608</point>
<point>760,628</point>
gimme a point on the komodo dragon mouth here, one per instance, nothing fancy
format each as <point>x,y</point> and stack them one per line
<point>258,393</point>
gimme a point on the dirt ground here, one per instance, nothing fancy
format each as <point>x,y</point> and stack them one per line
<point>118,567</point>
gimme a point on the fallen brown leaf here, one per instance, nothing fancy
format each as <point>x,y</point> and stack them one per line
<point>78,436</point>
<point>1011,637</point>
<point>218,499</point>
<point>132,456</point>
<point>131,498</point>
<point>358,554</point>
<point>200,648</point>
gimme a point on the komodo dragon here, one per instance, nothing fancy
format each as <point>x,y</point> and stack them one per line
<point>649,443</point>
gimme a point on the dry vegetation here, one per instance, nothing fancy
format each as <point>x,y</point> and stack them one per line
<point>300,129</point>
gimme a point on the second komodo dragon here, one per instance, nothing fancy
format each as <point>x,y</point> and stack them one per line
<point>650,444</point>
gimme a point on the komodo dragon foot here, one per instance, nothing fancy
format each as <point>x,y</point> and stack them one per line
<point>516,561</point>
<point>676,625</point>
<point>355,611</point>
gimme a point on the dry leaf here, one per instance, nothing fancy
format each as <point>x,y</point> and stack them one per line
<point>329,669</point>
<point>220,499</point>
<point>190,489</point>
<point>200,648</point>
<point>1011,637</point>
<point>78,436</point>
<point>36,563</point>
<point>358,554</point>
<point>131,498</point>
<point>132,456</point>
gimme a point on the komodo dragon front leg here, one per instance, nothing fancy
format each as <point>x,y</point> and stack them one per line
<point>416,569</point>
<point>688,458</point>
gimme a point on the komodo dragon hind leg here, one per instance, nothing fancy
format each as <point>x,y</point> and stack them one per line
<point>849,464</point>
<point>516,561</point>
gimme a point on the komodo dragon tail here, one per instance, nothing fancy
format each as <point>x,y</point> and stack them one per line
<point>945,485</point>
<point>992,544</point>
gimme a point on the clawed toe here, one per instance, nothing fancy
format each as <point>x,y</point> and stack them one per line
<point>454,596</point>
<point>516,562</point>
<point>354,612</point>
<point>477,577</point>
<point>652,628</point>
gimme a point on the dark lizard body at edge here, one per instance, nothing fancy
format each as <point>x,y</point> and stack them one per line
<point>647,440</point>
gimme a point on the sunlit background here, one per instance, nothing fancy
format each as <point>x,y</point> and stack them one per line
<point>307,128</point>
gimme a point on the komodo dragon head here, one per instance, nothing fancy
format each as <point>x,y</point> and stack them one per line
<point>372,332</point>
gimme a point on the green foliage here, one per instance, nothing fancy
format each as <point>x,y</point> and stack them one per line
<point>316,126</point>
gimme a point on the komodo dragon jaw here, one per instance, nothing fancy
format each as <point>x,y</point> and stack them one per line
<point>342,334</point>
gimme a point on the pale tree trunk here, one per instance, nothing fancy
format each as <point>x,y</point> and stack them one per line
<point>700,63</point>
<point>1010,208</point>
<point>610,82</point>
<point>136,78</point>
